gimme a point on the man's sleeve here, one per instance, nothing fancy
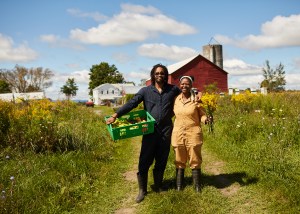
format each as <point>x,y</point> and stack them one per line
<point>132,103</point>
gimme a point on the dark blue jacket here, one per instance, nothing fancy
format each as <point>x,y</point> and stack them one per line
<point>159,105</point>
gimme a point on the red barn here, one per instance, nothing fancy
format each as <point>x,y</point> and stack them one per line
<point>204,71</point>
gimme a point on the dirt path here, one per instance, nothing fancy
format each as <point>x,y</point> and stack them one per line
<point>215,167</point>
<point>128,205</point>
<point>211,165</point>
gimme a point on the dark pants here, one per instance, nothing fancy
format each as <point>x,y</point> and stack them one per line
<point>155,146</point>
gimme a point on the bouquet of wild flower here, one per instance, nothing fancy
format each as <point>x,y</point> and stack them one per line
<point>209,103</point>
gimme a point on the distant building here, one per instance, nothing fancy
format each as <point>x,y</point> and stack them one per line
<point>113,92</point>
<point>12,97</point>
<point>206,70</point>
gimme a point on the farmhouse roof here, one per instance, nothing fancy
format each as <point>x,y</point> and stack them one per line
<point>120,86</point>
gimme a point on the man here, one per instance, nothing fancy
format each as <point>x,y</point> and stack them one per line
<point>158,99</point>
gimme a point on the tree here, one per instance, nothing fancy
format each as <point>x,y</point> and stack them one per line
<point>143,82</point>
<point>129,82</point>
<point>273,79</point>
<point>211,88</point>
<point>21,79</point>
<point>70,88</point>
<point>4,87</point>
<point>104,73</point>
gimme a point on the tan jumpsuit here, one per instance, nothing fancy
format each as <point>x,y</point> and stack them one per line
<point>187,137</point>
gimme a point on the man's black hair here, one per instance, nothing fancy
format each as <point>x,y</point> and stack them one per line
<point>152,74</point>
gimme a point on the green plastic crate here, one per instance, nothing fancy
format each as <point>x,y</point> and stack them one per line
<point>133,130</point>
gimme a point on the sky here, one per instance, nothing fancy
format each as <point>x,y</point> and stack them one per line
<point>70,36</point>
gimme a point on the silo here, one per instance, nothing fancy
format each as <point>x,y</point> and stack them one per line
<point>214,53</point>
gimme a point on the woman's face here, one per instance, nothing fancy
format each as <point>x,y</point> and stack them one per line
<point>185,85</point>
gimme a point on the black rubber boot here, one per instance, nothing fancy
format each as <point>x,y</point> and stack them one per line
<point>158,179</point>
<point>179,179</point>
<point>196,179</point>
<point>142,180</point>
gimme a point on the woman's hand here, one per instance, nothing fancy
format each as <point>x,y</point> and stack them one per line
<point>209,120</point>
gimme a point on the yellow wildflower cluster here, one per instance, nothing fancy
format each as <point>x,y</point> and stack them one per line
<point>42,109</point>
<point>244,98</point>
<point>209,102</point>
<point>33,110</point>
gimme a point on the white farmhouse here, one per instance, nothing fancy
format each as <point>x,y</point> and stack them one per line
<point>113,92</point>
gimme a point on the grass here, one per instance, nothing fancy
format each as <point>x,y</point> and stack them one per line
<point>246,169</point>
<point>86,180</point>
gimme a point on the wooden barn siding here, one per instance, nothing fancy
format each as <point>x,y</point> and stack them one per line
<point>204,73</point>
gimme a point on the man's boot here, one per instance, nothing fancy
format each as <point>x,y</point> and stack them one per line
<point>196,179</point>
<point>158,178</point>
<point>142,180</point>
<point>179,179</point>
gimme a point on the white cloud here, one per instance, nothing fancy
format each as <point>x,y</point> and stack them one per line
<point>73,65</point>
<point>59,79</point>
<point>94,15</point>
<point>10,53</point>
<point>79,76</point>
<point>243,82</point>
<point>139,9</point>
<point>50,38</point>
<point>134,24</point>
<point>56,41</point>
<point>296,63</point>
<point>162,51</point>
<point>293,81</point>
<point>237,67</point>
<point>138,75</point>
<point>122,57</point>
<point>253,81</point>
<point>280,32</point>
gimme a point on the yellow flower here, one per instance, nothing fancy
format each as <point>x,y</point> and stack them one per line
<point>209,102</point>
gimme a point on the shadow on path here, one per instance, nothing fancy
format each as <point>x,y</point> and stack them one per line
<point>219,181</point>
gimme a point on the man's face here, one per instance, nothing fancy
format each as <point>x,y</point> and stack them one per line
<point>159,75</point>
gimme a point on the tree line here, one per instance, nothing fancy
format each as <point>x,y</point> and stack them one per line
<point>22,80</point>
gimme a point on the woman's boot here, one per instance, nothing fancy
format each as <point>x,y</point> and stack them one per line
<point>179,179</point>
<point>196,179</point>
<point>142,180</point>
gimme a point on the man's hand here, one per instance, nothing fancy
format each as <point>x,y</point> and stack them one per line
<point>111,119</point>
<point>198,97</point>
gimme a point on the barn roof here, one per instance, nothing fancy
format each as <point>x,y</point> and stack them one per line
<point>174,67</point>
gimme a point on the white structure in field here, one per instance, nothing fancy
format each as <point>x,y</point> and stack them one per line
<point>113,92</point>
<point>12,97</point>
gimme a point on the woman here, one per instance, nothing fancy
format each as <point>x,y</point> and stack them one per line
<point>187,137</point>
